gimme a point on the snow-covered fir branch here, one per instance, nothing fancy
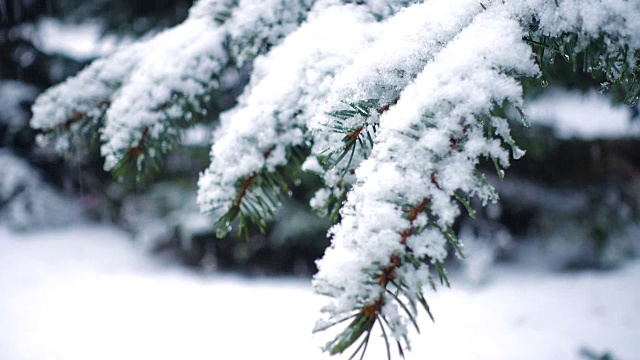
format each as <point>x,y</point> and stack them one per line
<point>426,153</point>
<point>280,100</point>
<point>287,89</point>
<point>406,43</point>
<point>397,103</point>
<point>428,146</point>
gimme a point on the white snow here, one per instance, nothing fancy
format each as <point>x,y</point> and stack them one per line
<point>281,98</point>
<point>616,18</point>
<point>406,43</point>
<point>82,41</point>
<point>86,293</point>
<point>178,63</point>
<point>585,116</point>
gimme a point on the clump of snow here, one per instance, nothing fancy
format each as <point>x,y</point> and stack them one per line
<point>82,41</point>
<point>198,135</point>
<point>617,18</point>
<point>582,115</point>
<point>480,254</point>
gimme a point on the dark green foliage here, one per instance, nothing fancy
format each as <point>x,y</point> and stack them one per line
<point>359,124</point>
<point>124,16</point>
<point>589,354</point>
<point>360,132</point>
<point>618,70</point>
<point>259,196</point>
<point>150,150</point>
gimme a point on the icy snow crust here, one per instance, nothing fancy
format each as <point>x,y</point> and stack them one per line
<point>436,70</point>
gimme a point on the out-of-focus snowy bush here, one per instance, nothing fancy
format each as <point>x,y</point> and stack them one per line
<point>485,242</point>
<point>16,98</point>
<point>579,189</point>
<point>585,225</point>
<point>79,41</point>
<point>26,201</point>
<point>587,116</point>
<point>574,201</point>
<point>42,43</point>
<point>167,216</point>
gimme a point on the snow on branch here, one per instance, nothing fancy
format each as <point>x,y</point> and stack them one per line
<point>590,18</point>
<point>253,29</point>
<point>397,217</point>
<point>285,91</point>
<point>600,37</point>
<point>287,88</point>
<point>375,78</point>
<point>145,93</point>
<point>74,110</point>
<point>405,45</point>
<point>170,85</point>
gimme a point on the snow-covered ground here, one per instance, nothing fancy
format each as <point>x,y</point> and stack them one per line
<point>87,293</point>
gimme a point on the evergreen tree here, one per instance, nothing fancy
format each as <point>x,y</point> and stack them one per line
<point>395,104</point>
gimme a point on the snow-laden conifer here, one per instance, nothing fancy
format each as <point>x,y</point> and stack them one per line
<point>394,103</point>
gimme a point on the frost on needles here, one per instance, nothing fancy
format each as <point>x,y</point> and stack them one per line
<point>393,103</point>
